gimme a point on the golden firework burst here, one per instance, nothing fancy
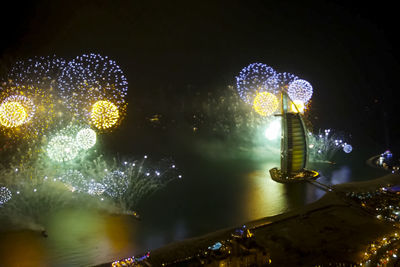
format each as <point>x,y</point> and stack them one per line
<point>16,110</point>
<point>104,114</point>
<point>265,103</point>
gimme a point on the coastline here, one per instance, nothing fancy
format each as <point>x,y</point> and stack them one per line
<point>339,228</point>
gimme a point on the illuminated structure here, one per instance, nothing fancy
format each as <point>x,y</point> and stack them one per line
<point>131,261</point>
<point>104,115</point>
<point>294,147</point>
<point>259,84</point>
<point>274,129</point>
<point>297,106</point>
<point>265,104</point>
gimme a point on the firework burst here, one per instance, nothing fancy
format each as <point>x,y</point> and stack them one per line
<point>26,112</point>
<point>75,181</point>
<point>265,104</point>
<point>16,110</point>
<point>68,143</point>
<point>252,79</point>
<point>324,146</point>
<point>128,182</point>
<point>104,115</point>
<point>85,138</point>
<point>280,81</point>
<point>41,72</point>
<point>89,79</point>
<point>5,195</point>
<point>300,90</point>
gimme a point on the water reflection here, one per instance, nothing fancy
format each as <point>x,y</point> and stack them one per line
<point>343,175</point>
<point>100,238</point>
<point>330,175</point>
<point>119,232</point>
<point>22,248</point>
<point>180,231</point>
<point>264,196</point>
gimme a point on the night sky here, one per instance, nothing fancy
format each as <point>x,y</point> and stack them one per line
<point>346,51</point>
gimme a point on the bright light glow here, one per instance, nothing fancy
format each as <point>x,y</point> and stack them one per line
<point>273,130</point>
<point>86,138</point>
<point>104,114</point>
<point>62,148</point>
<point>297,106</point>
<point>300,90</point>
<point>265,103</point>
